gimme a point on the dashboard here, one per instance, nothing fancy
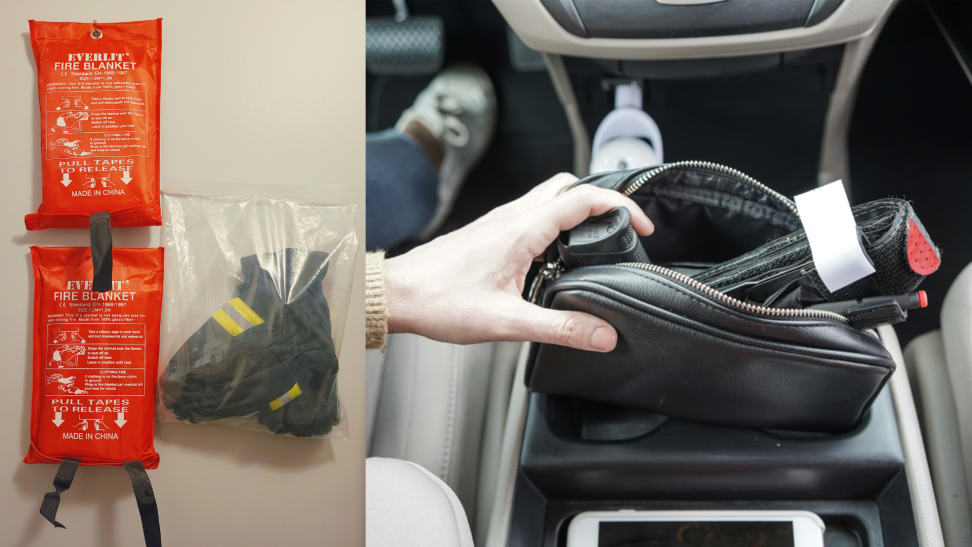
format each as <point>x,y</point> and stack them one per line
<point>682,29</point>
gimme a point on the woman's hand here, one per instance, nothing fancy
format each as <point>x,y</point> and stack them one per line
<point>466,286</point>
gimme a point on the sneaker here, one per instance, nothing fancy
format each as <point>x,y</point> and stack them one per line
<point>459,108</point>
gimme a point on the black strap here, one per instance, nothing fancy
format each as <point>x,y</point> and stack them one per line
<point>99,226</point>
<point>62,481</point>
<point>870,317</point>
<point>147,508</point>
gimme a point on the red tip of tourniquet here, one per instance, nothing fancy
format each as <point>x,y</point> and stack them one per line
<point>922,299</point>
<point>922,257</point>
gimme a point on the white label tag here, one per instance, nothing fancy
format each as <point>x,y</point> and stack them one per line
<point>832,233</point>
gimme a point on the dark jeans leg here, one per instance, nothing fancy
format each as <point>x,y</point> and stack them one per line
<point>402,189</point>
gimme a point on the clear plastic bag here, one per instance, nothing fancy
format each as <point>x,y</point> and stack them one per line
<point>256,300</point>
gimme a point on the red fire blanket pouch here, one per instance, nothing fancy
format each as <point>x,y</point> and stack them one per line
<point>95,368</point>
<point>98,90</point>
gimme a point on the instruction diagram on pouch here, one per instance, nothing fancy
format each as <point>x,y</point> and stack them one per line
<point>70,122</point>
<point>67,349</point>
<point>66,356</point>
<point>96,138</point>
<point>67,384</point>
<point>100,182</point>
<point>91,371</point>
<point>68,336</point>
<point>68,147</point>
<point>95,424</point>
<point>93,358</point>
<point>71,101</point>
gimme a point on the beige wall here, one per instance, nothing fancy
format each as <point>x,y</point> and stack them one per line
<point>260,93</point>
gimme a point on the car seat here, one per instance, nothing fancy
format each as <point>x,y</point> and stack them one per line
<point>409,506</point>
<point>940,370</point>
<point>442,406</point>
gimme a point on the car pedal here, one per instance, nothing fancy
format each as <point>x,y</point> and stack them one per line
<point>404,44</point>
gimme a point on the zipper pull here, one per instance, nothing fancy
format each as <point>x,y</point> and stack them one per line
<point>548,272</point>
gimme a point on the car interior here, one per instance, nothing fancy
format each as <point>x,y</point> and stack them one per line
<point>796,93</point>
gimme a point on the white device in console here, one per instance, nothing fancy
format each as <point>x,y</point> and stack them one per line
<point>750,528</point>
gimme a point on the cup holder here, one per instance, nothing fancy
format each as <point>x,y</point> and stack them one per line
<point>595,422</point>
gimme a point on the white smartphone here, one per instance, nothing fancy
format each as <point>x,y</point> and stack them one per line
<point>630,528</point>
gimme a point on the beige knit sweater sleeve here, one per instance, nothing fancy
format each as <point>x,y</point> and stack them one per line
<point>376,307</point>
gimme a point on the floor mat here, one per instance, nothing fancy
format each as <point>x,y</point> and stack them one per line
<point>910,137</point>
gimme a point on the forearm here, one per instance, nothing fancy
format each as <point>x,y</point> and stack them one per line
<point>466,286</point>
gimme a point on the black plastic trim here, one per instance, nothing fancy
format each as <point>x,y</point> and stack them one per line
<point>650,19</point>
<point>855,481</point>
<point>565,12</point>
<point>821,10</point>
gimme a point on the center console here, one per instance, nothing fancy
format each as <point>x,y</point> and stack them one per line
<point>580,456</point>
<point>869,485</point>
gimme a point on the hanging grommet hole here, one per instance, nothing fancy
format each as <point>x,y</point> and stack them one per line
<point>96,33</point>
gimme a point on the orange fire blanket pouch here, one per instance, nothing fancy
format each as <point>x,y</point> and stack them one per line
<point>95,369</point>
<point>98,91</point>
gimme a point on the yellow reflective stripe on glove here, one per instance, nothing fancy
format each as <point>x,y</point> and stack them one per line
<point>236,317</point>
<point>291,394</point>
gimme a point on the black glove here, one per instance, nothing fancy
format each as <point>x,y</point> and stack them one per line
<point>268,353</point>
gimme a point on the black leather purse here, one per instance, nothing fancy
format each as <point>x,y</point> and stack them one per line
<point>728,322</point>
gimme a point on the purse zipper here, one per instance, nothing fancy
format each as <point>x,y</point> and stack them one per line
<point>732,302</point>
<point>703,288</point>
<point>643,178</point>
<point>553,269</point>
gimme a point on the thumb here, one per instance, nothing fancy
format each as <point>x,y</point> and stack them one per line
<point>574,329</point>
